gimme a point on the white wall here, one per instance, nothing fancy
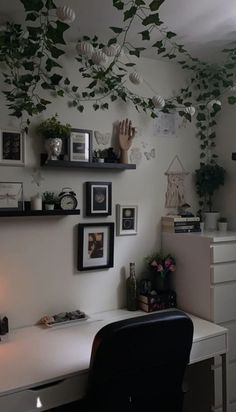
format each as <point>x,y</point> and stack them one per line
<point>38,256</point>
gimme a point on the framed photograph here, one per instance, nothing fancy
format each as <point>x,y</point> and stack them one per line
<point>98,198</point>
<point>80,145</point>
<point>96,246</point>
<point>126,220</point>
<point>11,196</point>
<point>12,148</point>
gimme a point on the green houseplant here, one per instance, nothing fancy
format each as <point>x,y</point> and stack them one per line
<point>208,179</point>
<point>49,199</point>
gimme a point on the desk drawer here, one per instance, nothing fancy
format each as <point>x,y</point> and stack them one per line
<point>49,396</point>
<point>223,252</point>
<point>223,272</point>
<point>223,302</point>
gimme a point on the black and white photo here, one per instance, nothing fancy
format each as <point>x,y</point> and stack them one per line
<point>126,219</point>
<point>98,198</point>
<point>80,145</point>
<point>12,148</point>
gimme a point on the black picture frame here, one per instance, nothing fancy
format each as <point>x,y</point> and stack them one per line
<point>12,148</point>
<point>98,198</point>
<point>80,145</point>
<point>95,246</point>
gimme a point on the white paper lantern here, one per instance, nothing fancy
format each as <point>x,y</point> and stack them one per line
<point>99,58</point>
<point>158,102</point>
<point>66,13</point>
<point>190,110</point>
<point>112,50</point>
<point>135,78</point>
<point>84,48</point>
<point>212,103</point>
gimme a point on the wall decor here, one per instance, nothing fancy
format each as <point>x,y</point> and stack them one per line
<point>80,145</point>
<point>11,196</point>
<point>12,148</point>
<point>175,193</point>
<point>126,219</point>
<point>98,198</point>
<point>95,246</point>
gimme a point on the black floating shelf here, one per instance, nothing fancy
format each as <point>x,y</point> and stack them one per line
<point>56,212</point>
<point>233,156</point>
<point>84,165</point>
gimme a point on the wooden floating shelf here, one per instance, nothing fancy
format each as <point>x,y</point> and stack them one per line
<point>84,165</point>
<point>21,213</point>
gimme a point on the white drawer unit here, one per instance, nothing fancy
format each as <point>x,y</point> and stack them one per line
<point>205,283</point>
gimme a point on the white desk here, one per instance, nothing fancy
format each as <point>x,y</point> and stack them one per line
<point>50,366</point>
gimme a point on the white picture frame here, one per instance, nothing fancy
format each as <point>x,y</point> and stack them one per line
<point>12,148</point>
<point>11,196</point>
<point>126,220</point>
<point>80,145</point>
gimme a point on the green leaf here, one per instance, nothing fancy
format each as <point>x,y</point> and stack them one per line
<point>66,81</point>
<point>50,5</point>
<point>50,64</point>
<point>118,5</point>
<point>152,19</point>
<point>80,108</point>
<point>130,64</point>
<point>201,117</point>
<point>105,106</point>
<point>55,79</point>
<point>60,93</point>
<point>232,99</point>
<point>74,89</point>
<point>55,52</point>
<point>145,35</point>
<point>31,17</point>
<point>113,97</point>
<point>56,33</point>
<point>92,84</point>
<point>32,5</point>
<point>140,2</point>
<point>170,34</point>
<point>116,29</point>
<point>28,65</point>
<point>155,4</point>
<point>128,14</point>
<point>95,106</point>
<point>158,44</point>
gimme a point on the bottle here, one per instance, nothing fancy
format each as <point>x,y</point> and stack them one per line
<point>36,202</point>
<point>131,286</point>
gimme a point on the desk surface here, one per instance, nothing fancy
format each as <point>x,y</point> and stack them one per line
<point>32,356</point>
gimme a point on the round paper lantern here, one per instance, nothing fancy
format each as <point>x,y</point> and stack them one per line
<point>99,57</point>
<point>66,13</point>
<point>135,78</point>
<point>212,103</point>
<point>112,50</point>
<point>158,102</point>
<point>85,49</point>
<point>190,110</point>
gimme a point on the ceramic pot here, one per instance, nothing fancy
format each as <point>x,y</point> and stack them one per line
<point>53,147</point>
<point>222,226</point>
<point>49,206</point>
<point>211,219</point>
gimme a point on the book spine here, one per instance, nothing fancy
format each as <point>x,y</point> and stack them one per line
<point>181,229</point>
<point>181,219</point>
<point>187,230</point>
<point>183,223</point>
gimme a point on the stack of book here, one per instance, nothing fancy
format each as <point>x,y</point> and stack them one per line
<point>180,224</point>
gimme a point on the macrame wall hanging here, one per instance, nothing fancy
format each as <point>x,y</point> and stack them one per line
<point>175,196</point>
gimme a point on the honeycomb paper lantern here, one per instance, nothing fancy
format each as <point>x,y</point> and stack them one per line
<point>135,78</point>
<point>158,102</point>
<point>85,49</point>
<point>66,13</point>
<point>99,58</point>
<point>190,110</point>
<point>212,103</point>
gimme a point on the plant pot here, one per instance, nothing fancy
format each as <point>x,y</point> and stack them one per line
<point>222,226</point>
<point>211,219</point>
<point>100,160</point>
<point>53,148</point>
<point>49,206</point>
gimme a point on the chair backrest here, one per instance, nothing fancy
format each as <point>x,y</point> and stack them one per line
<point>140,363</point>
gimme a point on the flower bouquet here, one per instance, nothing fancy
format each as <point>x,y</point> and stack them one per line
<point>160,266</point>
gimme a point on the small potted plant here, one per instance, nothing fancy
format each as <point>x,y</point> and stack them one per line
<point>208,179</point>
<point>49,199</point>
<point>222,224</point>
<point>160,266</point>
<point>54,132</point>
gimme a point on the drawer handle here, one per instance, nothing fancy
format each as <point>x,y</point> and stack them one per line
<point>46,385</point>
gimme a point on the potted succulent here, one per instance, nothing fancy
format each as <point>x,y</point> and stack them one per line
<point>54,132</point>
<point>208,179</point>
<point>222,224</point>
<point>49,199</point>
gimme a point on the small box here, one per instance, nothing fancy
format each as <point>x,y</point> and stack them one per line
<point>162,300</point>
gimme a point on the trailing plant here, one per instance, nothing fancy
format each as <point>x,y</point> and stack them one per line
<point>52,127</point>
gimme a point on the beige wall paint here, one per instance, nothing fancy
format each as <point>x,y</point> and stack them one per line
<point>38,256</point>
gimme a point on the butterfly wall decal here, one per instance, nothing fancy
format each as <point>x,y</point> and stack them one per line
<point>150,155</point>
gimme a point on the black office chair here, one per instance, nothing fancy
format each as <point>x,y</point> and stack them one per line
<point>138,364</point>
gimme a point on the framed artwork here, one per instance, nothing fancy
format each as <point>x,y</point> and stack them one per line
<point>11,196</point>
<point>98,198</point>
<point>12,148</point>
<point>96,246</point>
<point>126,220</point>
<point>80,145</point>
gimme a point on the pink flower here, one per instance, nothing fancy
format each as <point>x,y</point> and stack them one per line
<point>153,263</point>
<point>168,262</point>
<point>171,268</point>
<point>160,268</point>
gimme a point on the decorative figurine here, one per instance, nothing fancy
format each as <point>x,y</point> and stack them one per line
<point>126,135</point>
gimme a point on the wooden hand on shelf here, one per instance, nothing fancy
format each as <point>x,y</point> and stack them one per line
<point>126,135</point>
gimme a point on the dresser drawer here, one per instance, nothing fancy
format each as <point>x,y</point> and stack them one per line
<point>223,272</point>
<point>45,397</point>
<point>224,252</point>
<point>223,302</point>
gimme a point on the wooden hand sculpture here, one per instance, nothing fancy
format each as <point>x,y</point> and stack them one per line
<point>126,135</point>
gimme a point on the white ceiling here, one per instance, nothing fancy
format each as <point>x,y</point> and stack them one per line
<point>203,26</point>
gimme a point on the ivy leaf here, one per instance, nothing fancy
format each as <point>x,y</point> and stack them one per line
<point>50,64</point>
<point>60,93</point>
<point>116,29</point>
<point>95,106</point>
<point>80,108</point>
<point>145,35</point>
<point>232,99</point>
<point>113,97</point>
<point>105,106</point>
<point>31,16</point>
<point>155,4</point>
<point>92,84</point>
<point>201,117</point>
<point>112,41</point>
<point>170,34</point>
<point>140,2</point>
<point>74,89</point>
<point>55,79</point>
<point>50,5</point>
<point>55,52</point>
<point>118,4</point>
<point>32,5</point>
<point>128,14</point>
<point>28,65</point>
<point>56,33</point>
<point>152,19</point>
<point>130,64</point>
<point>158,44</point>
